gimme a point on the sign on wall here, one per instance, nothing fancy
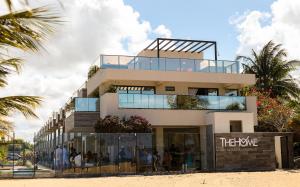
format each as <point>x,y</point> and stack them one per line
<point>244,151</point>
<point>239,142</point>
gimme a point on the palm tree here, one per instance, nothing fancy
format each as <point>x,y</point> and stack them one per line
<point>272,71</point>
<point>24,30</point>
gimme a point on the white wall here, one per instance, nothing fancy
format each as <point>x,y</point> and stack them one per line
<point>221,121</point>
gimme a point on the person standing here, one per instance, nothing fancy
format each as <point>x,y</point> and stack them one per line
<point>65,157</point>
<point>58,158</point>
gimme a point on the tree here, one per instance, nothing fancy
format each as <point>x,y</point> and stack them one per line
<point>92,70</point>
<point>109,124</point>
<point>23,30</point>
<point>272,71</point>
<point>137,124</point>
<point>113,124</point>
<point>273,114</point>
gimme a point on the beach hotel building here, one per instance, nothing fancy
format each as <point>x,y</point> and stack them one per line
<point>199,120</point>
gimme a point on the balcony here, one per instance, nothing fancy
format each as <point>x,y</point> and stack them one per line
<point>186,102</point>
<point>168,64</point>
<point>82,105</point>
<point>81,114</point>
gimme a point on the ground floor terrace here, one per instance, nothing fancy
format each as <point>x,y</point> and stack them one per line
<point>165,150</point>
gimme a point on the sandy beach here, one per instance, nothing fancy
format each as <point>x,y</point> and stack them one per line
<point>264,179</point>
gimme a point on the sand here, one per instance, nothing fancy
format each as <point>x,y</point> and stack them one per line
<point>265,179</point>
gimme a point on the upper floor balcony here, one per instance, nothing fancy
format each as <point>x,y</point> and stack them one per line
<point>81,114</point>
<point>168,64</point>
<point>79,104</point>
<point>183,102</point>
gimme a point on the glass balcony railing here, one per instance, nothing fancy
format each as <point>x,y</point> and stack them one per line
<point>188,102</point>
<point>79,104</point>
<point>168,64</point>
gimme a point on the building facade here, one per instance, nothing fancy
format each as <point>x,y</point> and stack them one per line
<point>188,100</point>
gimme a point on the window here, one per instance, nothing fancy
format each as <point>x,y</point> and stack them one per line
<point>231,92</point>
<point>204,91</point>
<point>170,88</point>
<point>135,89</point>
<point>235,126</point>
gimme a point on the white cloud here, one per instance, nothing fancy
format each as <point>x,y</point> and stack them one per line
<point>163,31</point>
<point>92,27</point>
<point>282,25</point>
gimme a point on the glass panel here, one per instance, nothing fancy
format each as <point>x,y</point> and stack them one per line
<point>127,161</point>
<point>144,153</point>
<point>187,65</point>
<point>172,64</point>
<point>159,101</point>
<point>126,61</point>
<point>81,104</point>
<point>86,104</point>
<point>169,102</point>
<point>154,64</point>
<point>93,104</point>
<point>109,61</point>
<point>109,153</point>
<point>200,102</point>
<point>192,152</point>
<point>89,154</point>
<point>212,66</point>
<point>143,63</point>
<point>174,143</point>
<point>213,102</point>
<point>220,66</point>
<point>202,65</point>
<point>168,64</point>
<point>162,64</point>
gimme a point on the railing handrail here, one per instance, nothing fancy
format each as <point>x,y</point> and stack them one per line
<point>167,58</point>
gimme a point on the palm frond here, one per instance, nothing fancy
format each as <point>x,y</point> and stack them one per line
<point>5,125</point>
<point>272,71</point>
<point>23,104</point>
<point>26,29</point>
<point>8,66</point>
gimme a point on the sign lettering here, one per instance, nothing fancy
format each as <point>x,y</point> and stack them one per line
<point>239,142</point>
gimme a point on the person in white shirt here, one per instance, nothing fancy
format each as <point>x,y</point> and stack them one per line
<point>58,157</point>
<point>77,160</point>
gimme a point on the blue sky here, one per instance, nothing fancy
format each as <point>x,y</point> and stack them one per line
<point>200,19</point>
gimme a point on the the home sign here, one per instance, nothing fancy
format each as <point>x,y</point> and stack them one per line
<point>239,142</point>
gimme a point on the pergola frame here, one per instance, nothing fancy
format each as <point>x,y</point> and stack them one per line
<point>182,45</point>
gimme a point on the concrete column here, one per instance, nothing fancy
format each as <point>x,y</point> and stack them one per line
<point>160,141</point>
<point>203,147</point>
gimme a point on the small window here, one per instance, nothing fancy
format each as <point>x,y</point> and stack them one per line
<point>170,88</point>
<point>235,126</point>
<point>231,92</point>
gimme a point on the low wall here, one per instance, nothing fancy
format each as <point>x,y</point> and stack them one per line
<point>249,151</point>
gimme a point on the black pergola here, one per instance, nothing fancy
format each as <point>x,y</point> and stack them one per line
<point>181,45</point>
